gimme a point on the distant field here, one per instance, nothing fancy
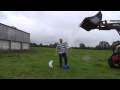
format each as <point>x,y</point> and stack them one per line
<point>33,64</point>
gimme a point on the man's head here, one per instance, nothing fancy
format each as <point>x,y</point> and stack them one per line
<point>60,40</point>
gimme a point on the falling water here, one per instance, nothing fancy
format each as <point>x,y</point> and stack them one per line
<point>72,39</point>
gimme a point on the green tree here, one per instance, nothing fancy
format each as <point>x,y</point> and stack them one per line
<point>103,45</point>
<point>40,44</point>
<point>82,45</point>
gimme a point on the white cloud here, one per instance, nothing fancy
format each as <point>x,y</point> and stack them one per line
<point>48,26</point>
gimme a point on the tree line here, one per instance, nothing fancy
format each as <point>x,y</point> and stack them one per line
<point>41,45</point>
<point>103,45</point>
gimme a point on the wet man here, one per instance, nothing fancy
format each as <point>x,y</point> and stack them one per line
<point>62,51</point>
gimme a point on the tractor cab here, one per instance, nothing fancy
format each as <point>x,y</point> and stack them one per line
<point>117,50</point>
<point>114,59</point>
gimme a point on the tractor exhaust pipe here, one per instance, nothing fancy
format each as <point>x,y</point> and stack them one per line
<point>93,22</point>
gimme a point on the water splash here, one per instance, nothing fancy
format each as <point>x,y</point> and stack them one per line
<point>86,58</point>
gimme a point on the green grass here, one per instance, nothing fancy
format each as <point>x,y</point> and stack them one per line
<point>84,64</point>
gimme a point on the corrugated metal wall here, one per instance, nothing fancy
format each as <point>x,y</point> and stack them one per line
<point>4,45</point>
<point>26,46</point>
<point>15,45</point>
<point>13,39</point>
<point>8,33</point>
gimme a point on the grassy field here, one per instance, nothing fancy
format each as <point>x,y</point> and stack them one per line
<point>33,64</point>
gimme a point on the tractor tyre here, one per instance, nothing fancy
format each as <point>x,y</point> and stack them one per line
<point>112,64</point>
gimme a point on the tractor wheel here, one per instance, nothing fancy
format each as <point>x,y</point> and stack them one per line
<point>112,64</point>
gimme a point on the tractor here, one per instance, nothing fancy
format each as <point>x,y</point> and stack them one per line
<point>95,22</point>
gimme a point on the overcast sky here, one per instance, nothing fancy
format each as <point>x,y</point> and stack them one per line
<point>48,26</point>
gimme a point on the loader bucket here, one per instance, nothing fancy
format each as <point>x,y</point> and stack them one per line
<point>93,22</point>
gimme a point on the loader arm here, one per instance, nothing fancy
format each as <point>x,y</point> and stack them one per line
<point>109,26</point>
<point>95,22</point>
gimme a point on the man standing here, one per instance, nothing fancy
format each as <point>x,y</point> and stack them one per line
<point>62,51</point>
